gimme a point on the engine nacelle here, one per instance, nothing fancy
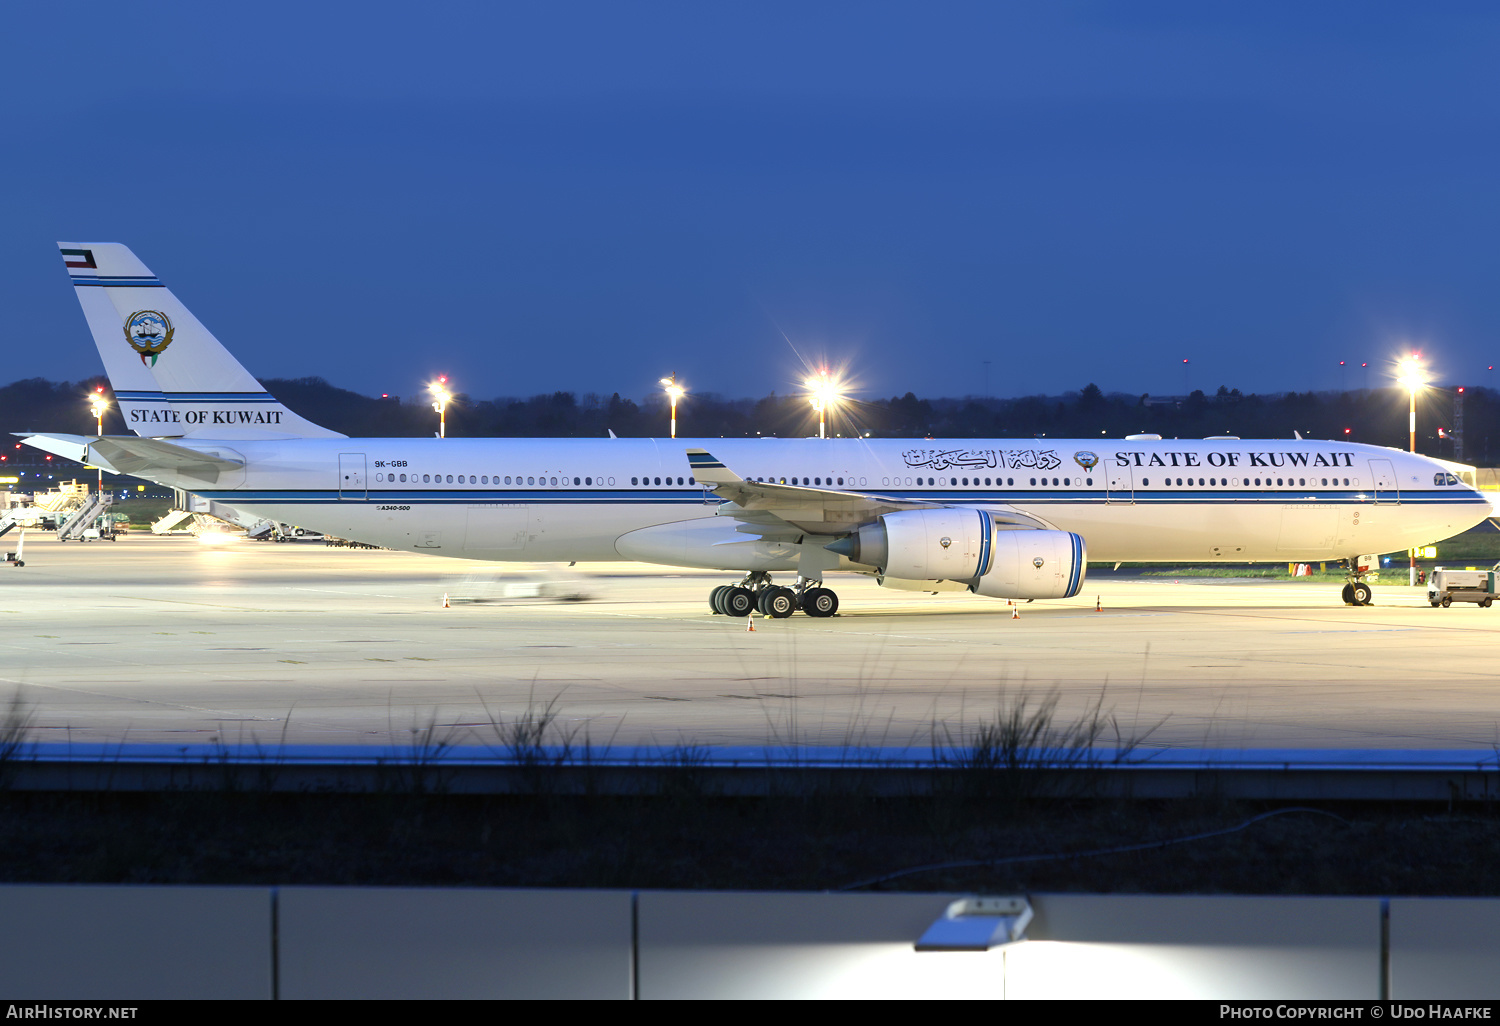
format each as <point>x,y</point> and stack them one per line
<point>967,545</point>
<point>1034,565</point>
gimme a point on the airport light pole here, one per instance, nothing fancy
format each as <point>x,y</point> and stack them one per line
<point>825,393</point>
<point>441,397</point>
<point>1413,380</point>
<point>99,406</point>
<point>674,392</point>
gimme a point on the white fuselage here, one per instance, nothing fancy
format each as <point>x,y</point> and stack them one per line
<point>573,499</point>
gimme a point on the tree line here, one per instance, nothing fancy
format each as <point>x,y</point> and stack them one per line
<point>1376,416</point>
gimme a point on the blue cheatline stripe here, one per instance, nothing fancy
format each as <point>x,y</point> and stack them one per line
<point>120,283</point>
<point>1075,578</point>
<point>221,397</point>
<point>199,397</point>
<point>385,493</point>
<point>986,529</point>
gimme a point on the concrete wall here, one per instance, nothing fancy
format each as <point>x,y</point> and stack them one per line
<point>134,943</point>
<point>1445,948</point>
<point>310,942</point>
<point>1110,946</point>
<point>398,943</point>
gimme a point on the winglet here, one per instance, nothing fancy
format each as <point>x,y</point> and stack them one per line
<point>709,470</point>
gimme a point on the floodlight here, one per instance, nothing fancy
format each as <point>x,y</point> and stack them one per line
<point>674,392</point>
<point>978,924</point>
<point>441,397</point>
<point>824,392</point>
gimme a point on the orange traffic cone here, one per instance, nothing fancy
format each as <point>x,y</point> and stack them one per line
<point>445,601</point>
<point>750,624</point>
<point>1098,604</point>
<point>1015,612</point>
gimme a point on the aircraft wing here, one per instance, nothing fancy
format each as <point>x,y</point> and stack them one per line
<point>778,510</point>
<point>142,457</point>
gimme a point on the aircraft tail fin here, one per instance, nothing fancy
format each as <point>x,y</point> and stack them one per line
<point>170,375</point>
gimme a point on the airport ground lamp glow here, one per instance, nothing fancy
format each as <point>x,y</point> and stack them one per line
<point>674,392</point>
<point>825,395</point>
<point>98,406</point>
<point>978,924</point>
<point>1412,379</point>
<point>441,397</point>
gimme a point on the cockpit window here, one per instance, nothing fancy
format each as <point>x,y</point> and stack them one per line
<point>1444,479</point>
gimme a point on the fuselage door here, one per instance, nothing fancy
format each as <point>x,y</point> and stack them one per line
<point>1384,481</point>
<point>1121,482</point>
<point>352,475</point>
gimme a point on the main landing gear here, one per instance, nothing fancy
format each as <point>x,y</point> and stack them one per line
<point>756,593</point>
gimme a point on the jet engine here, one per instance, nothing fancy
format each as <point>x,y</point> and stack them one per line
<point>967,545</point>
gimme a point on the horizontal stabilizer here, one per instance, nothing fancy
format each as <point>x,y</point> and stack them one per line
<point>144,457</point>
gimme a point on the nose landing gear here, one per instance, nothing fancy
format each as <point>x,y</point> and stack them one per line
<point>1357,592</point>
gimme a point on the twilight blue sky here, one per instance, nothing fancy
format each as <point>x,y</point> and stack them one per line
<point>586,196</point>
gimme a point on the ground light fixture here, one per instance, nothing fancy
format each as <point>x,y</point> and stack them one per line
<point>674,392</point>
<point>825,393</point>
<point>978,924</point>
<point>99,406</point>
<point>441,397</point>
<point>1412,379</point>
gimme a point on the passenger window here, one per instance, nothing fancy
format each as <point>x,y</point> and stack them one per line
<point>1090,481</point>
<point>403,477</point>
<point>424,478</point>
<point>1033,480</point>
<point>691,481</point>
<point>1145,480</point>
<point>1010,480</point>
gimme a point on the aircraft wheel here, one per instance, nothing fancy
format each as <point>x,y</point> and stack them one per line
<point>819,602</point>
<point>716,598</point>
<point>777,603</point>
<point>1348,594</point>
<point>738,601</point>
<point>1447,601</point>
<point>1362,594</point>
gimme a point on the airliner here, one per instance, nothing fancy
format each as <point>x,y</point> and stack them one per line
<point>1004,518</point>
